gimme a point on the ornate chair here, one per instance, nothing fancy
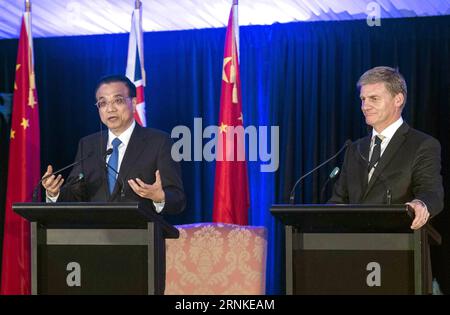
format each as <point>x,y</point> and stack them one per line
<point>215,258</point>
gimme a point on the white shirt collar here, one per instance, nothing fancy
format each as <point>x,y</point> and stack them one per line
<point>390,130</point>
<point>124,136</point>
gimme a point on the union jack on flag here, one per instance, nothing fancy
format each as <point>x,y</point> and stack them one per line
<point>135,63</point>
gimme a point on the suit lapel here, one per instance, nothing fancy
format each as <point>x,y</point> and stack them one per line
<point>391,150</point>
<point>102,162</point>
<point>363,152</point>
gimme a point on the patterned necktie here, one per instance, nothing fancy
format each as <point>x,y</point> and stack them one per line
<point>376,153</point>
<point>113,162</point>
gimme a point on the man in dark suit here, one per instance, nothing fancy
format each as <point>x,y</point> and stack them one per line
<point>140,164</point>
<point>395,163</point>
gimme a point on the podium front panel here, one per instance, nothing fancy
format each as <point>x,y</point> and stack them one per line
<point>92,269</point>
<point>353,263</point>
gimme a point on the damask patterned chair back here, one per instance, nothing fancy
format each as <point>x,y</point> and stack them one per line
<point>214,258</point>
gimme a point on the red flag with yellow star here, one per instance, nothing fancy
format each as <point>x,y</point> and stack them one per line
<point>231,197</point>
<point>23,168</point>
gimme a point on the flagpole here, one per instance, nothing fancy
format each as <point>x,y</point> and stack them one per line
<point>137,4</point>
<point>236,26</point>
<point>27,16</point>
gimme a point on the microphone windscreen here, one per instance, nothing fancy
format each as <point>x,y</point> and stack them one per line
<point>334,172</point>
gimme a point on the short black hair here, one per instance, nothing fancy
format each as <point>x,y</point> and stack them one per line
<point>118,78</point>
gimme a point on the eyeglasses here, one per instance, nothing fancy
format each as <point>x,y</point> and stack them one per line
<point>116,102</point>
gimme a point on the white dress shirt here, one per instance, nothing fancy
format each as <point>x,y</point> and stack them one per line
<point>124,138</point>
<point>386,135</point>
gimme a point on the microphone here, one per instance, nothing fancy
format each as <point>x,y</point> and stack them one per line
<point>36,188</point>
<point>292,194</point>
<point>108,152</point>
<point>77,179</point>
<point>332,175</point>
<point>80,189</point>
<point>381,177</point>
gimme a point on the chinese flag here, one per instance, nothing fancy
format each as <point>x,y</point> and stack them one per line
<point>231,197</point>
<point>23,168</point>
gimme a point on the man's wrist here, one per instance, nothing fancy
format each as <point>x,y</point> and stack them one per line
<point>420,202</point>
<point>49,198</point>
<point>161,198</point>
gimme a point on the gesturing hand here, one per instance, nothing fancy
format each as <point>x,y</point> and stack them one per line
<point>52,184</point>
<point>150,191</point>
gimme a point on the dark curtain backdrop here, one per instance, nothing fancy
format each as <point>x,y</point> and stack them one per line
<point>298,76</point>
<point>4,143</point>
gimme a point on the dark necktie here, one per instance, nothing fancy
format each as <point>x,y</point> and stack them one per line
<point>376,152</point>
<point>113,162</point>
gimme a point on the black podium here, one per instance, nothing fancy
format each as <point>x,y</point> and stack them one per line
<point>96,248</point>
<point>355,249</point>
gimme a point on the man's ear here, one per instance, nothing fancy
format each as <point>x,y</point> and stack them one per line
<point>134,102</point>
<point>399,99</point>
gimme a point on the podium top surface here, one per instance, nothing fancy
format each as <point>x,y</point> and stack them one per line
<point>114,215</point>
<point>345,218</point>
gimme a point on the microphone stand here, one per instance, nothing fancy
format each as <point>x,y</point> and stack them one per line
<point>380,176</point>
<point>122,183</point>
<point>333,174</point>
<point>36,188</point>
<point>292,194</point>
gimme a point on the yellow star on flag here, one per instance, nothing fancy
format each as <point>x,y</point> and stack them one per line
<point>25,123</point>
<point>13,134</point>
<point>223,127</point>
